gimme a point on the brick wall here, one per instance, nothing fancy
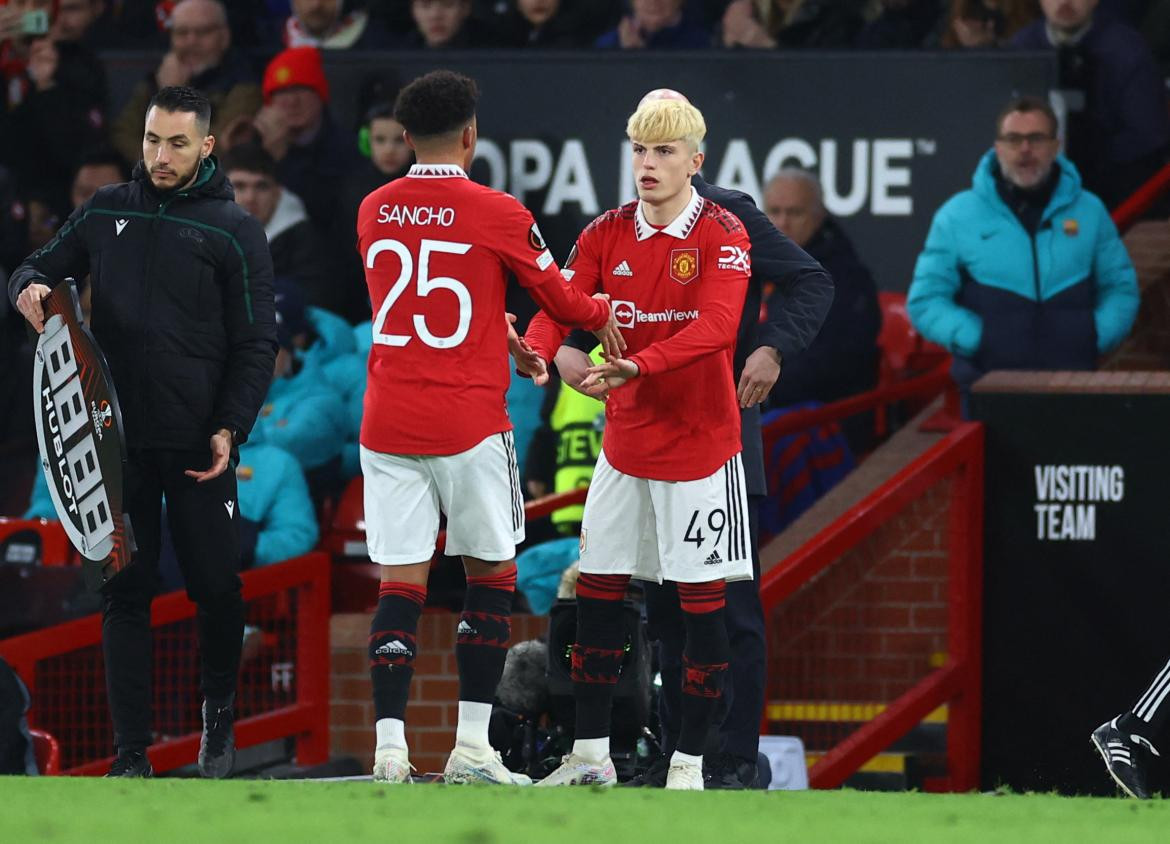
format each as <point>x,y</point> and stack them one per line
<point>434,694</point>
<point>872,623</point>
<point>1148,345</point>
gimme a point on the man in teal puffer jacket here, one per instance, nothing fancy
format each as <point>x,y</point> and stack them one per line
<point>1025,270</point>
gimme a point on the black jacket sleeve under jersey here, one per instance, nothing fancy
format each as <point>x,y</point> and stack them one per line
<point>804,291</point>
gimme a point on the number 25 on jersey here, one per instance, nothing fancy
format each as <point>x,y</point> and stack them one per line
<point>425,286</point>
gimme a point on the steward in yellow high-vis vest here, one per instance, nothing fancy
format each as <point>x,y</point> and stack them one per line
<point>577,423</point>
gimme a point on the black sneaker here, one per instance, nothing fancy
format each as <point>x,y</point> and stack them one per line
<point>1127,757</point>
<point>653,777</point>
<point>131,763</point>
<point>217,748</point>
<point>727,771</point>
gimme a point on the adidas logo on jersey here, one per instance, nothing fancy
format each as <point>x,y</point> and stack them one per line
<point>395,648</point>
<point>623,269</point>
<point>713,560</point>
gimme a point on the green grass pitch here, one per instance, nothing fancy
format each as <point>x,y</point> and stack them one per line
<point>165,811</point>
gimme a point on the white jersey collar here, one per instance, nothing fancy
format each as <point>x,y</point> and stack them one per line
<point>436,171</point>
<point>680,227</point>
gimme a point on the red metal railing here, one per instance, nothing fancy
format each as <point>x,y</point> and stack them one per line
<point>926,386</point>
<point>1131,210</point>
<point>958,457</point>
<point>284,687</point>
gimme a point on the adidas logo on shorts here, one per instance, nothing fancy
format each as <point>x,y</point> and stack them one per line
<point>713,560</point>
<point>395,648</point>
<point>623,269</point>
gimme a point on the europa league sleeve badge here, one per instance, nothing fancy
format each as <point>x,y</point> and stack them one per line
<point>79,432</point>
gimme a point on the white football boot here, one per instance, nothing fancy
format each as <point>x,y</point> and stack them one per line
<point>391,764</point>
<point>576,770</point>
<point>468,764</point>
<point>684,776</point>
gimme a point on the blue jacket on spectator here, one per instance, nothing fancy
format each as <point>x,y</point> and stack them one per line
<point>539,570</point>
<point>347,375</point>
<point>304,416</point>
<point>273,493</point>
<point>334,336</point>
<point>40,504</point>
<point>363,339</point>
<point>998,297</point>
<point>351,465</point>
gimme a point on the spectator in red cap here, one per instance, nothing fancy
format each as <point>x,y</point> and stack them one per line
<point>313,155</point>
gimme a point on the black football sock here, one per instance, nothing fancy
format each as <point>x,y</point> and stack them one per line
<point>705,659</point>
<point>392,646</point>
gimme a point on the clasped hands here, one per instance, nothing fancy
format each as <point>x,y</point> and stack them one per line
<point>595,381</point>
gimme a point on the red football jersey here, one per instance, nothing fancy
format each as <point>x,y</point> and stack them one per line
<point>677,293</point>
<point>436,248</point>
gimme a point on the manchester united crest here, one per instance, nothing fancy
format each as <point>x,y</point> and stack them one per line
<point>684,264</point>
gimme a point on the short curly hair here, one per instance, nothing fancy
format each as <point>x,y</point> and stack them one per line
<point>436,104</point>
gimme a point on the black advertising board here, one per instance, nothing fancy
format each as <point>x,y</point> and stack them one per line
<point>891,135</point>
<point>1076,542</point>
<point>79,431</point>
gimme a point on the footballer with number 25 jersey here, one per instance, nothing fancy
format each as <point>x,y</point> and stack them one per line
<point>435,247</point>
<point>677,293</point>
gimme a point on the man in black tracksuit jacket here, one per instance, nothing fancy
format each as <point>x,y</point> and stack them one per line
<point>183,309</point>
<point>804,293</point>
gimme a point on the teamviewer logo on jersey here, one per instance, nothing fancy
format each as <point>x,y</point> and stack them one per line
<point>624,313</point>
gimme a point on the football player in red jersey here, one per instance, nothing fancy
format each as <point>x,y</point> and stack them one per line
<point>667,500</point>
<point>435,431</point>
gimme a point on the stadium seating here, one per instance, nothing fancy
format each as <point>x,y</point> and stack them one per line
<point>904,352</point>
<point>35,541</point>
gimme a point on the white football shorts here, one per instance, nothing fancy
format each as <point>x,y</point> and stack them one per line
<point>684,531</point>
<point>478,490</point>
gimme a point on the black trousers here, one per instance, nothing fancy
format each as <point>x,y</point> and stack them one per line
<point>204,521</point>
<point>742,705</point>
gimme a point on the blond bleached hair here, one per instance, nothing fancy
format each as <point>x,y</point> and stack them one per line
<point>661,121</point>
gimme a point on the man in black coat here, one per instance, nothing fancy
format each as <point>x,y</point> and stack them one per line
<point>183,309</point>
<point>843,360</point>
<point>1118,131</point>
<point>802,297</point>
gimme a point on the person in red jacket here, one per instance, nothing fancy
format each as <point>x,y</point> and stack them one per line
<point>668,500</point>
